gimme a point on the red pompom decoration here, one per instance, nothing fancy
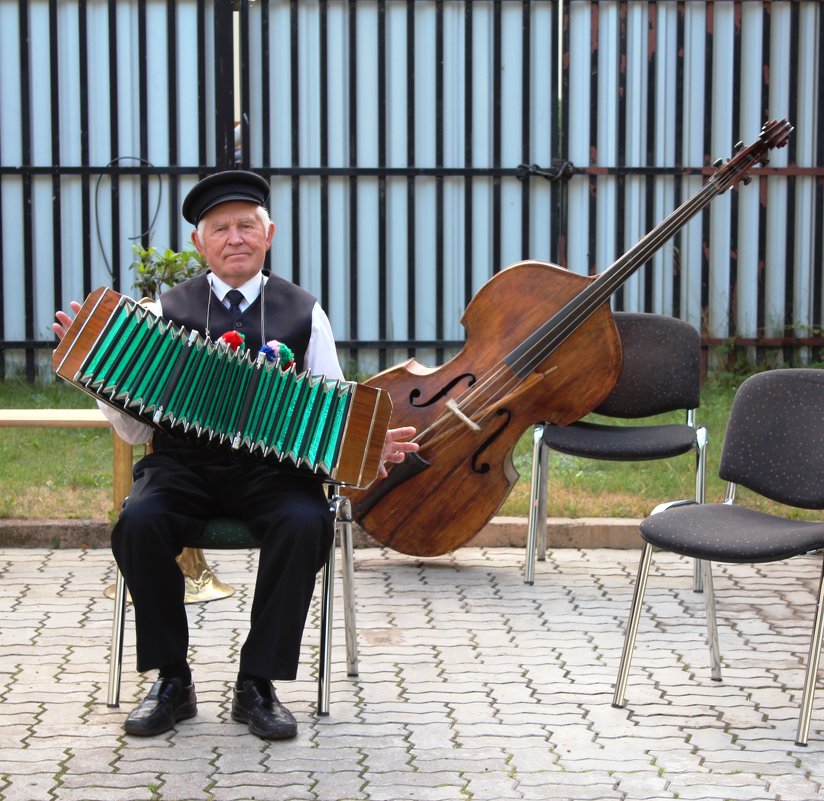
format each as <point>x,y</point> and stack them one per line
<point>233,340</point>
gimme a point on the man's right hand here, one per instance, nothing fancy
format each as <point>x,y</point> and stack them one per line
<point>64,320</point>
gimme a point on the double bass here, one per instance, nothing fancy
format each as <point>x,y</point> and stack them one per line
<point>541,345</point>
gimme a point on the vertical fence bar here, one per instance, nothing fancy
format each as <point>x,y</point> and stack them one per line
<point>172,114</point>
<point>790,311</point>
<point>244,65</point>
<point>143,102</point>
<point>708,122</point>
<point>201,88</point>
<point>653,125</point>
<point>294,146</point>
<point>224,72</point>
<point>323,39</point>
<point>677,189</point>
<point>86,217</point>
<point>593,138</point>
<point>559,131</point>
<point>621,150</point>
<point>818,211</point>
<point>762,217</point>
<point>497,247</point>
<point>384,301</point>
<point>354,306</point>
<point>736,104</point>
<point>440,242</point>
<point>114,148</point>
<point>265,86</point>
<point>468,155</point>
<point>526,107</point>
<point>411,216</point>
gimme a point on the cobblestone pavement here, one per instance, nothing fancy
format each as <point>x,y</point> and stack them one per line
<point>472,685</point>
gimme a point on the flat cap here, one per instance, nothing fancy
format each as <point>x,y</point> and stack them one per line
<point>223,186</point>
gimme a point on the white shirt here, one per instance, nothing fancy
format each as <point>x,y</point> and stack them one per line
<point>321,354</point>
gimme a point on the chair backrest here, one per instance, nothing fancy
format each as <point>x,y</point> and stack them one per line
<point>774,443</point>
<point>662,367</point>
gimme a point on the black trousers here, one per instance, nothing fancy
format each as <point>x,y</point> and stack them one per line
<point>175,493</point>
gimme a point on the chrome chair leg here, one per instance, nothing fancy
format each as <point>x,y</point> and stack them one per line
<point>697,576</point>
<point>701,439</point>
<point>811,676</point>
<point>327,600</point>
<point>343,516</point>
<point>116,647</point>
<point>619,698</point>
<point>536,531</point>
<point>712,622</point>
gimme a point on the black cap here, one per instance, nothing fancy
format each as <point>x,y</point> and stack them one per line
<point>223,186</point>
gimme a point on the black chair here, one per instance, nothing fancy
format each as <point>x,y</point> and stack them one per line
<point>774,446</point>
<point>661,373</point>
<point>228,534</point>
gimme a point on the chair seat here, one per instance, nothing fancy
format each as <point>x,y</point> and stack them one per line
<point>723,533</point>
<point>227,533</point>
<point>620,443</point>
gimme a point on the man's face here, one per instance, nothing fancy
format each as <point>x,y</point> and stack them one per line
<point>234,241</point>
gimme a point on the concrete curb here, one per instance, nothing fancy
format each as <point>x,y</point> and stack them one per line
<point>585,532</point>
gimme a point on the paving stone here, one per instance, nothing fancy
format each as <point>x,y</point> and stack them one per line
<point>640,786</point>
<point>490,785</point>
<point>182,785</point>
<point>587,787</point>
<point>471,684</point>
<point>27,786</point>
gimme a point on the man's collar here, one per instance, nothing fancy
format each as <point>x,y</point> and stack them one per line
<point>250,290</point>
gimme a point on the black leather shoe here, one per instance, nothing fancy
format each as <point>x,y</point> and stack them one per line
<point>167,702</point>
<point>258,706</point>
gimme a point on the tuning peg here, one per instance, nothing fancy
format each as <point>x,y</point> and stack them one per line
<point>747,181</point>
<point>738,147</point>
<point>718,162</point>
<point>765,161</point>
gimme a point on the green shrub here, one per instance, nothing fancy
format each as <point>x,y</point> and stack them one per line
<point>155,269</point>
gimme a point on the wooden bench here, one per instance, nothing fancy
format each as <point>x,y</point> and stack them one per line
<point>123,452</point>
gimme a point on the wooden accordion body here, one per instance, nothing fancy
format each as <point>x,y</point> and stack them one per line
<point>183,383</point>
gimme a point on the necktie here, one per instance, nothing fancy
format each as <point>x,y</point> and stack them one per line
<point>234,296</point>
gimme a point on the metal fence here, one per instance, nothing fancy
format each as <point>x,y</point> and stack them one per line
<point>415,148</point>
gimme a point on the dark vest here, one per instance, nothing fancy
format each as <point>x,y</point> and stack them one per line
<point>287,313</point>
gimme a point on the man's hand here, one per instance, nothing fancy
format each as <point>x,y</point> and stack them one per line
<point>64,320</point>
<point>396,446</point>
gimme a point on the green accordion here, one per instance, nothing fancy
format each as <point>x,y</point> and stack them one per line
<point>188,385</point>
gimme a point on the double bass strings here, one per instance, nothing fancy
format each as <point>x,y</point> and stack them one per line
<point>465,414</point>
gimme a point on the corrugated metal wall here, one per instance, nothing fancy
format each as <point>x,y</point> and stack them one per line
<point>414,149</point>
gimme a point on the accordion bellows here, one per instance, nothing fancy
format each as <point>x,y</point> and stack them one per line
<point>183,383</point>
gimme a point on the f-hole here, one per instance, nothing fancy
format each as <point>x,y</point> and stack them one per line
<point>477,465</point>
<point>416,393</point>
